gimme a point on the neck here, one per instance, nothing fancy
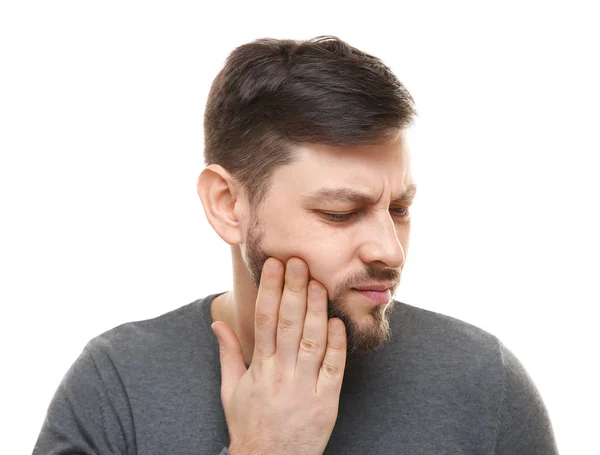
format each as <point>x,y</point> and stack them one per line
<point>236,307</point>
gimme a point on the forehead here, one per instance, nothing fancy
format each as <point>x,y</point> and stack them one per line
<point>373,169</point>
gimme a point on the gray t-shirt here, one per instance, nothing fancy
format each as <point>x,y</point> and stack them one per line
<point>439,386</point>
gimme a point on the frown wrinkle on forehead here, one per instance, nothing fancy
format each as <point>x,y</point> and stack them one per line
<point>351,195</point>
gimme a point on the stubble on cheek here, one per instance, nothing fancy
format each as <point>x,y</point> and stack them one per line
<point>255,256</point>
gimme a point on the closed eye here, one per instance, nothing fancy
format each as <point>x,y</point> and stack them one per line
<point>401,212</point>
<point>338,217</point>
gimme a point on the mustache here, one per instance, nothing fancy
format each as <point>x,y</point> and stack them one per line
<point>369,275</point>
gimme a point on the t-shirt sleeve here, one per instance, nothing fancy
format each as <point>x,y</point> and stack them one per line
<point>90,412</point>
<point>524,426</point>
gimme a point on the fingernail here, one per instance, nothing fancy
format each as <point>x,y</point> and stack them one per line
<point>272,266</point>
<point>315,289</point>
<point>338,326</point>
<point>296,266</point>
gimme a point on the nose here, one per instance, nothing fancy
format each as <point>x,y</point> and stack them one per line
<point>381,242</point>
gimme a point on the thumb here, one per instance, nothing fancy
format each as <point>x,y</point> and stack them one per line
<point>233,366</point>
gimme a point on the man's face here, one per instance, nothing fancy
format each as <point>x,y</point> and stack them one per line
<point>311,211</point>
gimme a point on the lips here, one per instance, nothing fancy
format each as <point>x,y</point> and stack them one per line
<point>379,287</point>
<point>376,297</point>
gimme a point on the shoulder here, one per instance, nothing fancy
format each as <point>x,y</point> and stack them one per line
<point>138,341</point>
<point>443,334</point>
<point>448,355</point>
<point>466,357</point>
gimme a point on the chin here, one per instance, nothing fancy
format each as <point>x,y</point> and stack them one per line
<point>366,329</point>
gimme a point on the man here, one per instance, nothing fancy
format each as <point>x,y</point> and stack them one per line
<point>308,179</point>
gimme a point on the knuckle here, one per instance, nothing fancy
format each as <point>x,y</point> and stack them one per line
<point>309,346</point>
<point>331,370</point>
<point>263,319</point>
<point>336,344</point>
<point>296,288</point>
<point>286,324</point>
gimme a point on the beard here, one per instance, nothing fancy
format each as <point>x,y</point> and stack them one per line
<point>361,336</point>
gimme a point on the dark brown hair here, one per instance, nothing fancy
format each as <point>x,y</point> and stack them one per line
<point>272,94</point>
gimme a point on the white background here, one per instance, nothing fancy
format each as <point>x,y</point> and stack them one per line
<point>101,108</point>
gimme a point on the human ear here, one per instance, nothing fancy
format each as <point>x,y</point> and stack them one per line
<point>219,194</point>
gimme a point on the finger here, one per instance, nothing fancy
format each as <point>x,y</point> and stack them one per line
<point>314,336</point>
<point>266,311</point>
<point>331,374</point>
<point>233,366</point>
<point>292,313</point>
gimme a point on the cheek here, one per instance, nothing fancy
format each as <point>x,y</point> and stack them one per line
<point>321,251</point>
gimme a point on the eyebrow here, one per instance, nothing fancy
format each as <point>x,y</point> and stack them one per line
<point>350,195</point>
